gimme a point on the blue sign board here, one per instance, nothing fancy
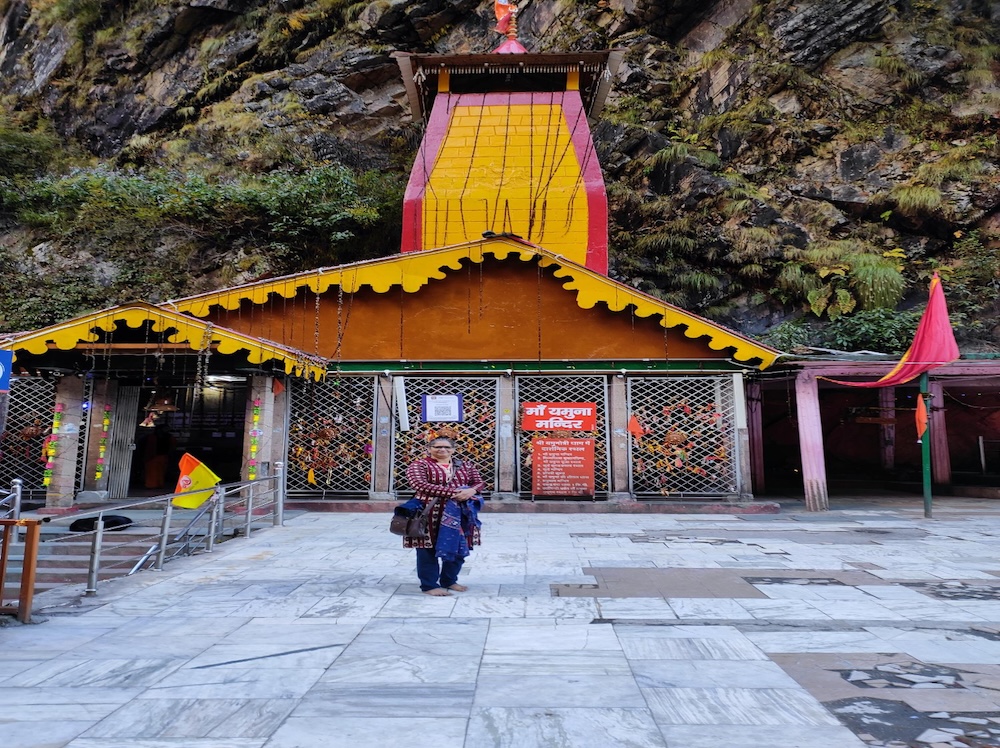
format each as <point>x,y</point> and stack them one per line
<point>6,362</point>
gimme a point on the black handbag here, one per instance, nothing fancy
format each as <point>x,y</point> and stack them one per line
<point>412,526</point>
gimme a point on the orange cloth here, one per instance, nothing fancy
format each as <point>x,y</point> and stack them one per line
<point>921,418</point>
<point>502,10</point>
<point>635,428</point>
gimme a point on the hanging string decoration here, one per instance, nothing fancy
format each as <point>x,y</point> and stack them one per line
<point>255,434</point>
<point>102,444</point>
<point>50,446</point>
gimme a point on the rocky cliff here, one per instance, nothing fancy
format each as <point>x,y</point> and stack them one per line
<point>797,168</point>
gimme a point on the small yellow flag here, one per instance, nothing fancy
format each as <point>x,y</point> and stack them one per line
<point>195,476</point>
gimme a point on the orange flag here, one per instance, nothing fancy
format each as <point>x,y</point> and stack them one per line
<point>921,418</point>
<point>195,478</point>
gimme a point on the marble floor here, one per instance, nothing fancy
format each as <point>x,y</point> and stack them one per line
<point>865,626</point>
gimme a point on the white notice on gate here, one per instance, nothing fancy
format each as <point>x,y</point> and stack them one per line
<point>438,408</point>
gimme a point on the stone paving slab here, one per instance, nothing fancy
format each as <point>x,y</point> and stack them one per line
<point>658,631</point>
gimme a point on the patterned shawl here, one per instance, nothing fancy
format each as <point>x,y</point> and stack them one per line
<point>459,519</point>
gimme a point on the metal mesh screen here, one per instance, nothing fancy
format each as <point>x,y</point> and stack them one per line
<point>330,435</point>
<point>475,436</point>
<point>689,444</point>
<point>564,389</point>
<point>29,421</point>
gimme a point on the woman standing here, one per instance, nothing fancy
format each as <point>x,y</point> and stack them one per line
<point>453,486</point>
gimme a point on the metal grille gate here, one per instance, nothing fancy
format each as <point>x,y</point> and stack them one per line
<point>564,389</point>
<point>475,436</point>
<point>29,421</point>
<point>689,445</point>
<point>121,441</point>
<point>330,435</point>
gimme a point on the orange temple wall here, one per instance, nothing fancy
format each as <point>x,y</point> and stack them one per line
<point>495,311</point>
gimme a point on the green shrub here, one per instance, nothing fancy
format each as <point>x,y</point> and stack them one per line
<point>23,152</point>
<point>792,335</point>
<point>882,330</point>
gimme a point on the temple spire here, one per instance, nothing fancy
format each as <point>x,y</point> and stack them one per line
<point>512,26</point>
<point>506,13</point>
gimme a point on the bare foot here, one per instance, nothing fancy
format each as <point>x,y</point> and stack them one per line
<point>458,587</point>
<point>438,592</point>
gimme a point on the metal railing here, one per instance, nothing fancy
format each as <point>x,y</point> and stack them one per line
<point>158,531</point>
<point>10,508</point>
<point>10,501</point>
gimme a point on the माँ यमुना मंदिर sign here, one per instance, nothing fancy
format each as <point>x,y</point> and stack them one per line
<point>559,417</point>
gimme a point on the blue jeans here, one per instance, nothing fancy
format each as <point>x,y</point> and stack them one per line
<point>434,572</point>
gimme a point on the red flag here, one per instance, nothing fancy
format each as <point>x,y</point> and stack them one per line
<point>921,418</point>
<point>933,344</point>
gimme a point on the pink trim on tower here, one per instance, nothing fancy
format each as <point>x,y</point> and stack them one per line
<point>420,174</point>
<point>510,47</point>
<point>593,179</point>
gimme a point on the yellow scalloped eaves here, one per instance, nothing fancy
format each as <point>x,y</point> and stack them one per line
<point>197,334</point>
<point>414,270</point>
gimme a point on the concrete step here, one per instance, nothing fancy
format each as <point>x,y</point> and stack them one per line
<point>557,507</point>
<point>64,574</point>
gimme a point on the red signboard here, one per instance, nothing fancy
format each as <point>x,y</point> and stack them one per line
<point>562,467</point>
<point>559,417</point>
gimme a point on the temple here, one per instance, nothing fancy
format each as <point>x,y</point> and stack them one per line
<point>496,319</point>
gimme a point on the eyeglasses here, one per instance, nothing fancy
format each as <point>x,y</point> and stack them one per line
<point>438,446</point>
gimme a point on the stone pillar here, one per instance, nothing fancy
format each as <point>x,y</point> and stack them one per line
<point>887,431</point>
<point>618,446</point>
<point>811,442</point>
<point>744,481</point>
<point>507,451</point>
<point>69,402</point>
<point>940,454</point>
<point>281,404</point>
<point>382,454</point>
<point>755,425</point>
<point>260,402</point>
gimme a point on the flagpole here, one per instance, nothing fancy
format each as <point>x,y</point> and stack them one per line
<point>925,445</point>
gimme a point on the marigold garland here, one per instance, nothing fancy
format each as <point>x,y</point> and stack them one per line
<point>102,445</point>
<point>52,445</point>
<point>255,434</point>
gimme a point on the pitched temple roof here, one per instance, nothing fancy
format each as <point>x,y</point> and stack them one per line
<point>84,332</point>
<point>414,270</point>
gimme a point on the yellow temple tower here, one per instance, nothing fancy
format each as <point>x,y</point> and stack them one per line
<point>508,149</point>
